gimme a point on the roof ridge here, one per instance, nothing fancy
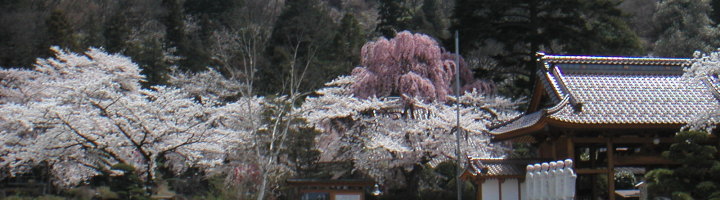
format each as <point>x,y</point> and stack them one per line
<point>550,88</point>
<point>613,60</point>
<point>577,106</point>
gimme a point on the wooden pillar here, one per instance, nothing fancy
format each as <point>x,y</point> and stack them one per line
<point>571,148</point>
<point>478,189</point>
<point>611,168</point>
<point>571,155</point>
<point>500,182</point>
<point>554,149</point>
<point>519,186</point>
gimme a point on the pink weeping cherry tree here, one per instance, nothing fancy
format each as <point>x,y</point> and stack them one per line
<point>410,66</point>
<point>384,141</point>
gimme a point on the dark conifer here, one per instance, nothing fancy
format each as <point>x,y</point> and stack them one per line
<point>60,31</point>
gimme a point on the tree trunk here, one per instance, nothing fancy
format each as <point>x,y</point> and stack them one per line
<point>263,186</point>
<point>412,183</point>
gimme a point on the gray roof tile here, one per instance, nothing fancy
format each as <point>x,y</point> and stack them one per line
<point>616,90</point>
<point>635,99</point>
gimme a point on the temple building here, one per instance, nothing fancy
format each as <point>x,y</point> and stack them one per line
<point>608,114</point>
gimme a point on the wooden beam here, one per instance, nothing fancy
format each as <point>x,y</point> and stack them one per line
<point>644,160</point>
<point>610,166</point>
<point>591,171</point>
<point>325,183</point>
<point>538,93</point>
<point>623,126</point>
<point>499,176</point>
<point>622,140</point>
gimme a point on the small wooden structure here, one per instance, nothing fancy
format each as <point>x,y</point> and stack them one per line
<point>607,112</point>
<point>497,178</point>
<point>325,189</point>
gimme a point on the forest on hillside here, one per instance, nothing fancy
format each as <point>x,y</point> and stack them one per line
<point>498,38</point>
<point>227,99</point>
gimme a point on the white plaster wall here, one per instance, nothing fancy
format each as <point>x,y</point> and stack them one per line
<point>510,189</point>
<point>347,197</point>
<point>490,190</point>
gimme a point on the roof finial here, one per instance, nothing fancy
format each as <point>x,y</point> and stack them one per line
<point>539,55</point>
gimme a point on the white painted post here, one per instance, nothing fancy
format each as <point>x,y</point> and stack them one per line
<point>529,180</point>
<point>559,180</point>
<point>552,179</point>
<point>570,178</point>
<point>545,180</point>
<point>537,184</point>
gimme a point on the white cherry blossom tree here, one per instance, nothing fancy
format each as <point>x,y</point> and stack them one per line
<point>258,166</point>
<point>208,86</point>
<point>705,68</point>
<point>83,113</point>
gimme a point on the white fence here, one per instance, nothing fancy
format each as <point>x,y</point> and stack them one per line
<point>553,180</point>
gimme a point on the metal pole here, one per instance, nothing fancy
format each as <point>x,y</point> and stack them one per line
<point>457,111</point>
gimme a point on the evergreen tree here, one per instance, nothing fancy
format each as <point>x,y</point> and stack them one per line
<point>215,9</point>
<point>299,49</point>
<point>60,32</point>
<point>191,51</point>
<point>24,35</point>
<point>128,185</point>
<point>698,175</point>
<point>211,15</point>
<point>302,152</point>
<point>394,17</point>
<point>715,15</point>
<point>684,26</point>
<point>430,20</point>
<point>149,55</point>
<point>125,31</point>
<point>521,28</point>
<point>174,26</point>
<point>608,32</point>
<point>117,31</point>
<point>347,43</point>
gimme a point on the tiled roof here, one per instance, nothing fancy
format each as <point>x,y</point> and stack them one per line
<point>614,90</point>
<point>635,99</point>
<point>498,167</point>
<point>611,60</point>
<point>522,122</point>
<point>528,120</point>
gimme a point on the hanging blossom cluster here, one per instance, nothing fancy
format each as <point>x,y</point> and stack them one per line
<point>385,141</point>
<point>80,114</point>
<point>705,68</point>
<point>409,66</point>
